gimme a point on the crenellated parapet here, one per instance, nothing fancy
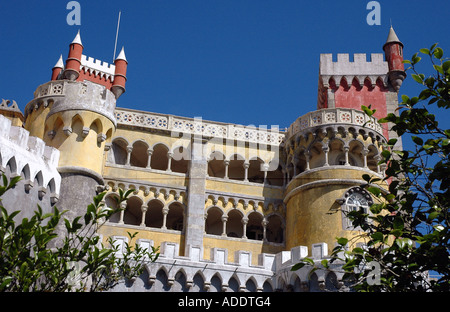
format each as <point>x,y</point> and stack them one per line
<point>29,157</point>
<point>359,69</point>
<point>194,273</point>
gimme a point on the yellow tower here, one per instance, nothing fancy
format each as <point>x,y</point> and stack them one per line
<point>329,151</point>
<point>74,112</point>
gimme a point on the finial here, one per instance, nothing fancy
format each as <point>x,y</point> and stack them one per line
<point>77,38</point>
<point>60,63</point>
<point>121,55</point>
<point>392,37</point>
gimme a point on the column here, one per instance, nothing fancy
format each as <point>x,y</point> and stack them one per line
<point>226,162</point>
<point>244,227</point>
<point>165,212</point>
<point>346,150</point>
<point>365,152</point>
<point>123,206</point>
<point>246,165</point>
<point>224,225</point>
<point>149,153</point>
<point>325,150</point>
<point>264,223</point>
<point>169,162</point>
<point>144,212</point>
<point>307,159</point>
<point>129,149</point>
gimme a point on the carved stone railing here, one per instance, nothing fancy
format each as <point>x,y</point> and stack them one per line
<point>197,126</point>
<point>334,117</point>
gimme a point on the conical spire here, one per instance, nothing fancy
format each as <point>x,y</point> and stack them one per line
<point>60,63</point>
<point>392,37</point>
<point>77,39</point>
<point>121,55</point>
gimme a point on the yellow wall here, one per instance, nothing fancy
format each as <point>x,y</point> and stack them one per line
<point>313,215</point>
<point>77,149</point>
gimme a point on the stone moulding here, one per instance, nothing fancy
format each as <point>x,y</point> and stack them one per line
<point>251,134</point>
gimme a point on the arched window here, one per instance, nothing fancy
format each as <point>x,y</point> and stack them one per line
<point>274,229</point>
<point>234,224</point>
<point>160,158</point>
<point>180,160</point>
<point>216,165</point>
<point>154,215</point>
<point>254,226</point>
<point>236,170</point>
<point>355,199</point>
<point>118,154</point>
<point>133,212</point>
<point>175,217</point>
<point>255,172</point>
<point>214,223</point>
<point>139,154</point>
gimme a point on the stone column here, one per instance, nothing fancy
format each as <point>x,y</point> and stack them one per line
<point>246,165</point>
<point>244,227</point>
<point>365,152</point>
<point>144,212</point>
<point>129,150</point>
<point>325,150</point>
<point>346,150</point>
<point>224,225</point>
<point>149,161</point>
<point>165,212</point>
<point>123,206</point>
<point>226,162</point>
<point>264,223</point>
<point>169,162</point>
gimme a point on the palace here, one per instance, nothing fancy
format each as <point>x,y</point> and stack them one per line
<point>231,207</point>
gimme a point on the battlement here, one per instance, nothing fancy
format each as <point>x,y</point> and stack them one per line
<point>360,68</point>
<point>19,150</point>
<point>97,67</point>
<point>242,258</point>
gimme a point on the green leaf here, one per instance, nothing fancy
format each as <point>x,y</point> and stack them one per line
<point>417,78</point>
<point>446,66</point>
<point>438,53</point>
<point>324,262</point>
<point>298,266</point>
<point>417,140</point>
<point>425,51</point>
<point>377,237</point>
<point>342,241</point>
<point>374,190</point>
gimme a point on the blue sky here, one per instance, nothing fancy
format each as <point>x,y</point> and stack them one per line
<point>241,61</point>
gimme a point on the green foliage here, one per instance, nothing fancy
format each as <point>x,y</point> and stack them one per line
<point>408,232</point>
<point>35,258</point>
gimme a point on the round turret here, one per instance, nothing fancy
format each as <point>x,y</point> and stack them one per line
<point>328,151</point>
<point>57,69</point>
<point>120,74</point>
<point>393,49</point>
<point>73,62</point>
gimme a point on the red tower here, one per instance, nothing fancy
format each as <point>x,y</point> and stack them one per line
<point>120,74</point>
<point>393,50</point>
<point>73,61</point>
<point>56,71</point>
